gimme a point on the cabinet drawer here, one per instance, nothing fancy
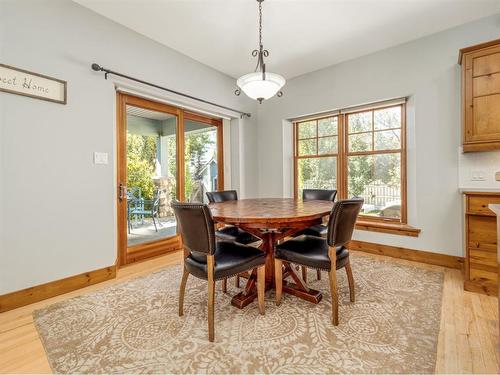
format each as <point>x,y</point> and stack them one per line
<point>479,204</point>
<point>486,85</point>
<point>486,64</point>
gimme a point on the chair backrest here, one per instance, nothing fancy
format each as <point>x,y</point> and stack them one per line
<point>222,196</point>
<point>319,194</point>
<point>134,192</point>
<point>196,226</point>
<point>342,220</point>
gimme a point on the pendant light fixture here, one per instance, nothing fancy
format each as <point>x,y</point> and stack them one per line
<point>260,85</point>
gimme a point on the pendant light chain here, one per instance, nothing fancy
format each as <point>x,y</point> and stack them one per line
<point>260,25</point>
<point>261,52</point>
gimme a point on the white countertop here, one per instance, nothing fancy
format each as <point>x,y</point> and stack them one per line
<point>478,190</point>
<point>495,208</point>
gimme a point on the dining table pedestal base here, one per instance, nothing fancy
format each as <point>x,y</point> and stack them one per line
<point>242,299</point>
<point>298,287</point>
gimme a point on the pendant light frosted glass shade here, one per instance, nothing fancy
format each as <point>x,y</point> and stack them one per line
<point>259,89</point>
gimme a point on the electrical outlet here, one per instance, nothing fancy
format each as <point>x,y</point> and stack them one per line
<point>497,176</point>
<point>477,175</point>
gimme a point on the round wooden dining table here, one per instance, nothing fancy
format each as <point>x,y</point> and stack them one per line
<point>271,220</point>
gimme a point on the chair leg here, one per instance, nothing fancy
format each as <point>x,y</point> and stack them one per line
<point>304,273</point>
<point>318,274</point>
<point>261,288</point>
<point>211,297</point>
<point>237,281</point>
<point>224,285</point>
<point>154,222</point>
<point>278,278</point>
<point>182,292</point>
<point>332,274</point>
<point>350,280</point>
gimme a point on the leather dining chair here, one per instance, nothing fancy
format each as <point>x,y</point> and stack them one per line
<point>230,232</point>
<point>328,254</point>
<point>213,260</point>
<point>319,230</point>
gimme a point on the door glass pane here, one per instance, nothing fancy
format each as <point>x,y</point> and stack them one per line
<point>376,178</point>
<point>201,160</point>
<point>317,173</point>
<point>151,175</point>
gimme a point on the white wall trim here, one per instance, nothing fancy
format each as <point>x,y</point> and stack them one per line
<point>226,149</point>
<point>172,99</point>
<point>288,169</point>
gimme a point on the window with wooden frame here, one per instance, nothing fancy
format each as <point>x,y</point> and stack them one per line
<point>359,152</point>
<point>316,144</point>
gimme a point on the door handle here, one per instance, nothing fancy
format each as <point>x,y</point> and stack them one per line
<point>122,192</point>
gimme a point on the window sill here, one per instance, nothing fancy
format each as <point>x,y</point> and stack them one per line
<point>392,228</point>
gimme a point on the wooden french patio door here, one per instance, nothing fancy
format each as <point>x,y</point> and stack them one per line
<point>163,153</point>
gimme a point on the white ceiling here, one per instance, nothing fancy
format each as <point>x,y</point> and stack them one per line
<point>301,35</point>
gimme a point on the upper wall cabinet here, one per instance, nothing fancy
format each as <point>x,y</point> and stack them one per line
<point>481,96</point>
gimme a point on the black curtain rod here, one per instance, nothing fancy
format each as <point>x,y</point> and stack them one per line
<point>99,68</point>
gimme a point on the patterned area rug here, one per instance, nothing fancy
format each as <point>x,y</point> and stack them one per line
<point>133,327</point>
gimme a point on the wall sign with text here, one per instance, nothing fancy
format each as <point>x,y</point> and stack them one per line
<point>22,82</point>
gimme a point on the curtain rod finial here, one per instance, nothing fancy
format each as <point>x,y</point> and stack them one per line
<point>96,67</point>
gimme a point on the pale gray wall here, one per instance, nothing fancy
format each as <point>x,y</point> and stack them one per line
<point>57,208</point>
<point>427,71</point>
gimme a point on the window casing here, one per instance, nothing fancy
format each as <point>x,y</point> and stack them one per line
<point>362,153</point>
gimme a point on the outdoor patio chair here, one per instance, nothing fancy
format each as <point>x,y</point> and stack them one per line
<point>147,208</point>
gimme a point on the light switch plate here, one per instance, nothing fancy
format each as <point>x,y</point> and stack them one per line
<point>497,176</point>
<point>100,158</point>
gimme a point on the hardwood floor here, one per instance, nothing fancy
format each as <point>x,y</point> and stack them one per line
<point>468,339</point>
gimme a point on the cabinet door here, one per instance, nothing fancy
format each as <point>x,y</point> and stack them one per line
<point>482,96</point>
<point>482,232</point>
<point>482,251</point>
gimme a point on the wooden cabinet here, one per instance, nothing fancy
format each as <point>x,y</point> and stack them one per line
<point>481,96</point>
<point>481,269</point>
